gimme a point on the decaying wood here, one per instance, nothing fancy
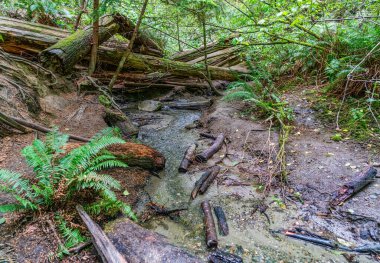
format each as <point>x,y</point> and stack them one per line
<point>222,220</point>
<point>214,148</point>
<point>209,180</point>
<point>63,55</point>
<point>102,243</point>
<point>188,105</point>
<point>41,128</point>
<point>140,155</point>
<point>199,183</point>
<point>79,247</point>
<point>163,211</point>
<point>219,256</point>
<point>209,224</point>
<point>187,159</point>
<point>139,245</point>
<point>349,189</point>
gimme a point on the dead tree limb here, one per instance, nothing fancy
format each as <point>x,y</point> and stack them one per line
<point>187,159</point>
<point>209,180</point>
<point>199,183</point>
<point>222,220</point>
<point>349,189</point>
<point>102,243</point>
<point>42,128</point>
<point>219,256</point>
<point>215,147</point>
<point>209,224</point>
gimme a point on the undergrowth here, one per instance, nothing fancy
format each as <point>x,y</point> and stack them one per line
<point>63,179</point>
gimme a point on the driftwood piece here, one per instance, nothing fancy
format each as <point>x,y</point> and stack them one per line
<point>102,243</point>
<point>214,148</point>
<point>42,128</point>
<point>199,183</point>
<point>222,220</point>
<point>139,245</point>
<point>187,159</point>
<point>219,256</point>
<point>211,237</point>
<point>188,105</point>
<point>349,189</point>
<point>209,180</point>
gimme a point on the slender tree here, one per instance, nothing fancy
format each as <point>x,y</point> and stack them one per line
<point>95,38</point>
<point>130,46</point>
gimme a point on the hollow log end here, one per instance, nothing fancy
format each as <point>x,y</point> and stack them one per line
<point>212,243</point>
<point>200,158</point>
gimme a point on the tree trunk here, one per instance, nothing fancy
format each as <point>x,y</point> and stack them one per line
<point>95,39</point>
<point>62,56</point>
<point>139,245</point>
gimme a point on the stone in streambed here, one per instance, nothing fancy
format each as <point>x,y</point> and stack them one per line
<point>150,105</point>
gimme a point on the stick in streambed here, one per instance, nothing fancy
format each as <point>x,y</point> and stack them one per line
<point>211,237</point>
<point>206,184</point>
<point>199,183</point>
<point>222,220</point>
<point>214,148</point>
<point>351,188</point>
<point>219,256</point>
<point>187,159</point>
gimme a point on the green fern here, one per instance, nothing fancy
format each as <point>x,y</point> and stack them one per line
<point>72,173</point>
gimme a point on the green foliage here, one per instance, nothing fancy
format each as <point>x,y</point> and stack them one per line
<point>72,237</point>
<point>60,178</point>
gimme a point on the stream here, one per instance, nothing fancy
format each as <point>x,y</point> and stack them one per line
<point>251,236</point>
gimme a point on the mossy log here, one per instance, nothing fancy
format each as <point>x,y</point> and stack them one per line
<point>63,55</point>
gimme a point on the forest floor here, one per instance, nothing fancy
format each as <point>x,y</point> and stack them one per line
<point>317,167</point>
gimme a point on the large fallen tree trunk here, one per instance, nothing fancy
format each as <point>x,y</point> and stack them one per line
<point>32,43</point>
<point>139,245</point>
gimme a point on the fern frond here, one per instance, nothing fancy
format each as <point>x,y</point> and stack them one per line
<point>9,208</point>
<point>55,141</point>
<point>14,183</point>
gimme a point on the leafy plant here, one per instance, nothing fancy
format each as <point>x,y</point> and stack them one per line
<point>60,178</point>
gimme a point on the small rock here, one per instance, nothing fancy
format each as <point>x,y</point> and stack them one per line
<point>150,105</point>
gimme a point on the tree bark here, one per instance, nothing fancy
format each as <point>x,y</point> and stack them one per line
<point>138,245</point>
<point>83,6</point>
<point>62,56</point>
<point>222,220</point>
<point>95,39</point>
<point>199,183</point>
<point>187,159</point>
<point>219,256</point>
<point>209,180</point>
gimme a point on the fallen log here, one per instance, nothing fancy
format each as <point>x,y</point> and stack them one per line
<point>187,159</point>
<point>66,53</point>
<point>209,180</point>
<point>214,148</point>
<point>188,105</point>
<point>349,189</point>
<point>222,220</point>
<point>33,43</point>
<point>106,250</point>
<point>199,183</point>
<point>219,256</point>
<point>139,245</point>
<point>208,220</point>
<point>133,154</point>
